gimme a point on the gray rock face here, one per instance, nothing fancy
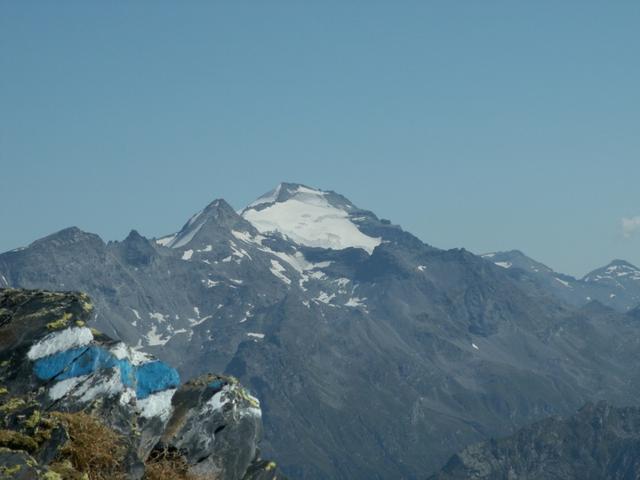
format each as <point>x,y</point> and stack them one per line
<point>366,347</point>
<point>616,285</point>
<point>600,442</point>
<point>55,372</point>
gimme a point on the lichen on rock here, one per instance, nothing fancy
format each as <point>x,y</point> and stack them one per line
<point>75,404</point>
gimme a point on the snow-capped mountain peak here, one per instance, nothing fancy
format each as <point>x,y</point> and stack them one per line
<point>309,216</point>
<point>615,270</point>
<point>217,213</point>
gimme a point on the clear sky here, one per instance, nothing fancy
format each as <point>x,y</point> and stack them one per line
<point>479,124</point>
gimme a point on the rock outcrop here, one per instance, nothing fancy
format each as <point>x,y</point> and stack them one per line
<point>600,442</point>
<point>76,404</point>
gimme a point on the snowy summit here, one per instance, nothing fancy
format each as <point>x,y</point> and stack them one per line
<point>308,216</point>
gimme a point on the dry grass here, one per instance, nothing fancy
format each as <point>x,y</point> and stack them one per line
<point>93,448</point>
<point>169,465</point>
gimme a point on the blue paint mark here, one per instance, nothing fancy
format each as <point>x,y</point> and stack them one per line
<point>93,359</point>
<point>155,376</point>
<point>127,373</point>
<point>216,384</point>
<point>147,378</point>
<point>48,367</point>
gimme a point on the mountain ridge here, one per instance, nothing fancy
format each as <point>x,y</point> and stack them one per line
<point>440,346</point>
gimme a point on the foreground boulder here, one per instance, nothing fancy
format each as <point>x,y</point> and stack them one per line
<point>75,404</point>
<point>600,442</point>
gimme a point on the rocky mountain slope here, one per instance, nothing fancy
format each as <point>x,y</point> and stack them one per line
<point>366,346</point>
<point>74,402</point>
<point>600,442</point>
<point>616,285</point>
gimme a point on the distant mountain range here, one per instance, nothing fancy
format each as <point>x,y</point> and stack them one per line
<point>374,354</point>
<point>616,285</point>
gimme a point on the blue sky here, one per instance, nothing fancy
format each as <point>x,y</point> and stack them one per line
<point>488,125</point>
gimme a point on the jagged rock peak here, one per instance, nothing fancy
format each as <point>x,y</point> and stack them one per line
<point>218,215</point>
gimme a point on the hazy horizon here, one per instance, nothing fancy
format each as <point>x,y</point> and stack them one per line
<point>490,127</point>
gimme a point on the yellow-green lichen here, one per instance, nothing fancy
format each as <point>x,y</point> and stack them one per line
<point>80,323</point>
<point>10,470</point>
<point>62,322</point>
<point>270,466</point>
<point>4,363</point>
<point>17,441</point>
<point>3,391</point>
<point>34,420</point>
<point>12,404</point>
<point>51,476</point>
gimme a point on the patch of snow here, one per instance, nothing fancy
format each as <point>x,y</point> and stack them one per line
<point>422,268</point>
<point>135,312</point>
<point>196,311</point>
<point>563,282</point>
<point>324,297</point>
<point>4,280</point>
<point>193,322</point>
<point>355,302</point>
<point>158,316</point>
<point>255,335</point>
<point>194,218</point>
<point>236,281</point>
<point>475,346</point>
<point>182,239</point>
<point>157,405</point>
<point>317,275</point>
<point>187,255</point>
<point>247,237</point>
<point>210,283</point>
<point>488,255</point>
<point>154,338</point>
<point>268,197</point>
<point>60,341</point>
<point>309,219</point>
<point>503,264</point>
<point>277,269</point>
<point>166,241</point>
<point>123,352</point>
<point>240,253</point>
